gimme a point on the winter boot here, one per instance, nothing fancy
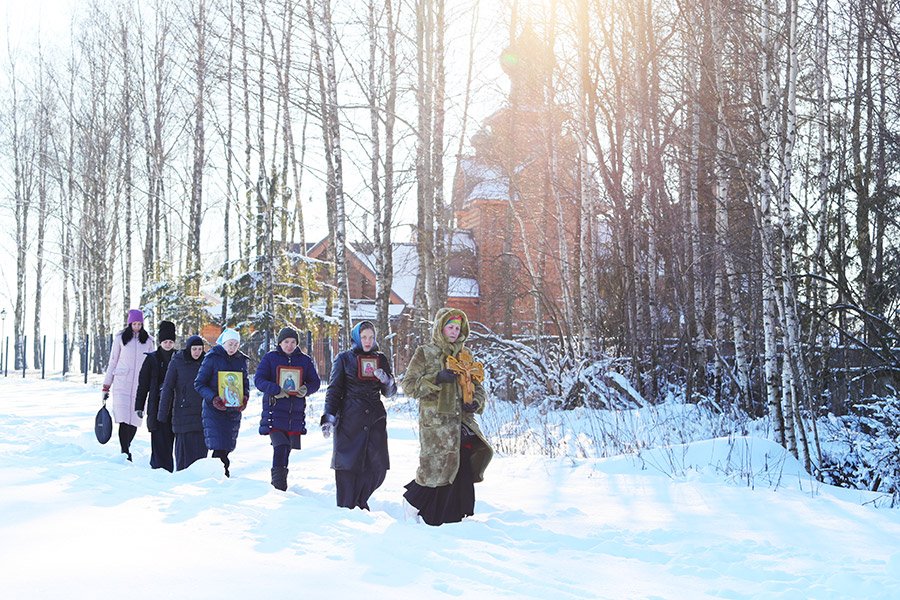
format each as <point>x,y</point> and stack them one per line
<point>279,478</point>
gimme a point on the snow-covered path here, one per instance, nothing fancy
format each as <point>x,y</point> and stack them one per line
<point>78,521</point>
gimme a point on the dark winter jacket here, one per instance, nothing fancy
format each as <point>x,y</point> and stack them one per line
<point>288,414</point>
<point>220,427</point>
<point>179,401</point>
<point>150,381</point>
<point>360,434</point>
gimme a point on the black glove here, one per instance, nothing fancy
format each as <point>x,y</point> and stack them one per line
<point>140,414</point>
<point>471,408</point>
<point>446,376</point>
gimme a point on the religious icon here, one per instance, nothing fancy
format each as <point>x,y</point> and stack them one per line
<point>469,371</point>
<point>366,367</point>
<point>231,387</point>
<point>289,378</point>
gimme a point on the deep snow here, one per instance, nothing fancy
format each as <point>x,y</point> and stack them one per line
<point>708,519</point>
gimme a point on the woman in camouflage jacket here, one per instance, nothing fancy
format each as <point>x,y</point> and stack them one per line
<point>453,452</point>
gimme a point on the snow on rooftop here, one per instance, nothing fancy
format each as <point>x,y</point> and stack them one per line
<point>491,189</point>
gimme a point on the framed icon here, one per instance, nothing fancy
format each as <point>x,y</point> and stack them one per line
<point>366,367</point>
<point>231,387</point>
<point>289,378</point>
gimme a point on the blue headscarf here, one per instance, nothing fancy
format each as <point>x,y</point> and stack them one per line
<point>354,335</point>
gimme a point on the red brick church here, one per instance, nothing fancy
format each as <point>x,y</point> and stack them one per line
<point>516,212</point>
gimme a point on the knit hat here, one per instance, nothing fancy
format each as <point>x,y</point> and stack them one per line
<point>194,340</point>
<point>135,315</point>
<point>228,334</point>
<point>288,332</point>
<point>166,331</point>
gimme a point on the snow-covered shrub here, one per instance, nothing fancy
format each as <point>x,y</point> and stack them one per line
<point>862,450</point>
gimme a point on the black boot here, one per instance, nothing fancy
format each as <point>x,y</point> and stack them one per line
<point>223,456</point>
<point>279,478</point>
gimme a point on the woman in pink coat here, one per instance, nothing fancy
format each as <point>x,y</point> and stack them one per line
<point>125,359</point>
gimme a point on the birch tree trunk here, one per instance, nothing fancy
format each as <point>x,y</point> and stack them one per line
<point>194,265</point>
<point>43,164</point>
<point>766,232</point>
<point>384,252</point>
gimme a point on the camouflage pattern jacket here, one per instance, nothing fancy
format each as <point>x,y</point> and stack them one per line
<point>440,432</point>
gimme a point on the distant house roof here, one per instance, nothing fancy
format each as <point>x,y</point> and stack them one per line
<point>406,268</point>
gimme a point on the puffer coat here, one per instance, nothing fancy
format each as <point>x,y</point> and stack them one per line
<point>179,400</point>
<point>220,427</point>
<point>288,414</point>
<point>360,433</point>
<point>440,432</point>
<point>125,361</point>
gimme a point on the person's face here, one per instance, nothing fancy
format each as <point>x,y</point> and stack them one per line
<point>231,346</point>
<point>167,344</point>
<point>451,331</point>
<point>137,326</point>
<point>367,339</point>
<point>288,345</point>
<point>196,351</point>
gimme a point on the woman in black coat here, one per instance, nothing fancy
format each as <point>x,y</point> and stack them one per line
<point>353,408</point>
<point>181,405</point>
<point>150,382</point>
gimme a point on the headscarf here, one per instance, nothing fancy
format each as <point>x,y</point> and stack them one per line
<point>356,339</point>
<point>450,392</point>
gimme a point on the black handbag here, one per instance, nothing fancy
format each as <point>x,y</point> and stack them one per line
<point>103,425</point>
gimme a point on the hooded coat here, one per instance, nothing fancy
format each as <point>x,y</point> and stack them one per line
<point>220,427</point>
<point>360,432</point>
<point>150,381</point>
<point>440,423</point>
<point>288,414</point>
<point>125,361</point>
<point>179,400</point>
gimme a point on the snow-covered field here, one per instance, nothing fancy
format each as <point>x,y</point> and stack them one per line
<point>78,521</point>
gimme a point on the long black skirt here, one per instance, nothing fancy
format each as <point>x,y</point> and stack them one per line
<point>355,488</point>
<point>447,503</point>
<point>189,448</point>
<point>161,442</point>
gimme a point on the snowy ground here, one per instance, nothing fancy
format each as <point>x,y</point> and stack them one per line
<point>78,521</point>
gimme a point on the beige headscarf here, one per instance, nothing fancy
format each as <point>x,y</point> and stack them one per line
<point>450,392</point>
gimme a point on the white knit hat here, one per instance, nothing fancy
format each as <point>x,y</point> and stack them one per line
<point>228,334</point>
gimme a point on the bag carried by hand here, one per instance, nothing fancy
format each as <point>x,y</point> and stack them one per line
<point>103,425</point>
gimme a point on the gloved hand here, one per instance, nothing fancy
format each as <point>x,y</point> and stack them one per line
<point>382,376</point>
<point>140,414</point>
<point>301,391</point>
<point>105,393</point>
<point>244,404</point>
<point>471,408</point>
<point>327,423</point>
<point>446,376</point>
<point>281,394</point>
<point>218,404</point>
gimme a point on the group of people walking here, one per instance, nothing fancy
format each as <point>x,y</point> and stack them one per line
<point>194,400</point>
